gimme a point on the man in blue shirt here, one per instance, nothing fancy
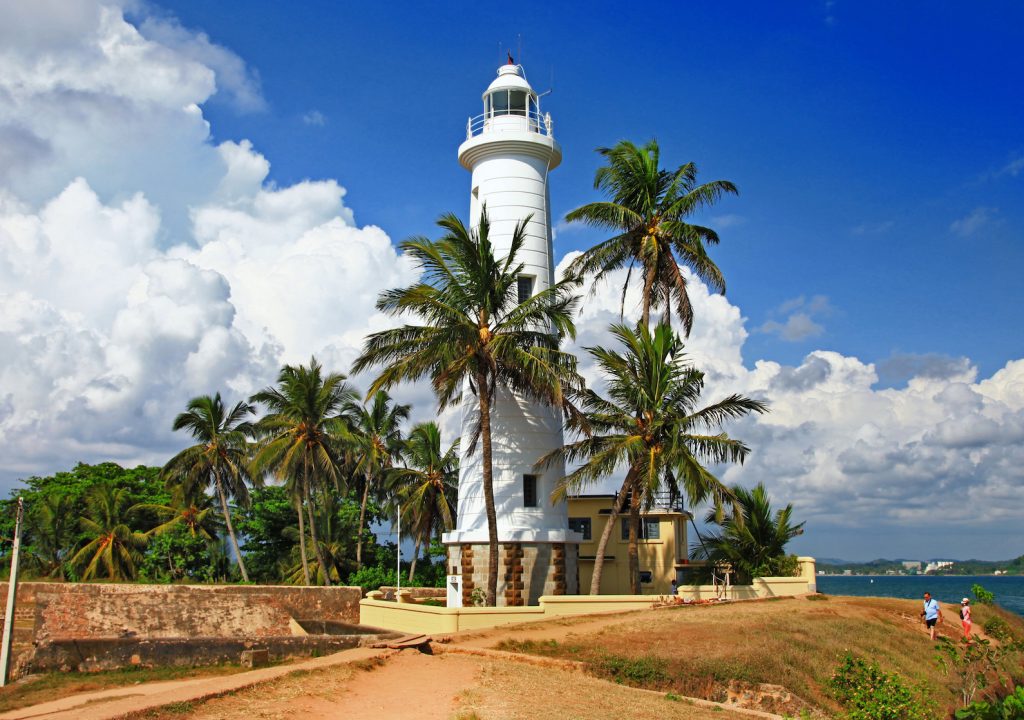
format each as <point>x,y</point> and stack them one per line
<point>931,613</point>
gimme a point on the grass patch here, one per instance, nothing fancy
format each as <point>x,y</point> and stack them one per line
<point>51,686</point>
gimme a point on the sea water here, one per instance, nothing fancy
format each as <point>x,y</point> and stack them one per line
<point>1008,589</point>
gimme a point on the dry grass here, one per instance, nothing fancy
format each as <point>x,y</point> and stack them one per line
<point>40,688</point>
<point>696,651</point>
<point>515,691</point>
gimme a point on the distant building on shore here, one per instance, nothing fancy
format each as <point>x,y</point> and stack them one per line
<point>912,565</point>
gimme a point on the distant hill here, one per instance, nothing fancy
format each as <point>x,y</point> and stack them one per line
<point>882,566</point>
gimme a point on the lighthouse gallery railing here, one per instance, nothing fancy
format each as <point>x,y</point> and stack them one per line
<point>511,121</point>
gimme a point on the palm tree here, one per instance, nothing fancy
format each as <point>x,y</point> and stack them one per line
<point>426,488</point>
<point>647,210</point>
<point>377,444</point>
<point>650,424</point>
<point>50,529</point>
<point>189,508</point>
<point>752,543</point>
<point>219,458</point>
<point>114,547</point>
<point>301,437</point>
<point>476,336</point>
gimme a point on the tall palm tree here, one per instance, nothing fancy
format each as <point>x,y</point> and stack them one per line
<point>50,525</point>
<point>646,210</point>
<point>475,335</point>
<point>301,436</point>
<point>752,542</point>
<point>651,425</point>
<point>376,444</point>
<point>114,547</point>
<point>219,458</point>
<point>426,487</point>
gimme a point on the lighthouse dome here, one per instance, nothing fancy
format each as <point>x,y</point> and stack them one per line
<point>510,77</point>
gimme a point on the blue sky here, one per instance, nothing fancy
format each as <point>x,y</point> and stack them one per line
<point>859,135</point>
<point>180,181</point>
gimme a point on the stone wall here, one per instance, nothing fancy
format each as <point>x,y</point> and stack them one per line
<point>61,613</point>
<point>526,571</point>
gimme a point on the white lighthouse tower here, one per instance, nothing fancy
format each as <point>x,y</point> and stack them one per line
<point>510,149</point>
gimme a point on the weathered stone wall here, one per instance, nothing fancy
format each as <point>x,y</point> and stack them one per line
<point>58,613</point>
<point>526,571</point>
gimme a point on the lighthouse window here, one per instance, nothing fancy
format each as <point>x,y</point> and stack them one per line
<point>529,491</point>
<point>524,288</point>
<point>499,102</point>
<point>517,102</point>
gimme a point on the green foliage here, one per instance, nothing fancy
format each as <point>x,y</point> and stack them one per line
<point>179,556</point>
<point>752,541</point>
<point>1009,708</point>
<point>262,525</point>
<point>982,595</point>
<point>998,628</point>
<point>646,671</point>
<point>972,664</point>
<point>869,693</point>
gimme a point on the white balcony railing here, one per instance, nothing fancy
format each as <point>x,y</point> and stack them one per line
<point>510,121</point>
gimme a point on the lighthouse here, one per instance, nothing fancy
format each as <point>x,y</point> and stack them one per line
<point>510,150</point>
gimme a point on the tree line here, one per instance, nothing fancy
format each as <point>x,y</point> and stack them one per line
<point>468,333</point>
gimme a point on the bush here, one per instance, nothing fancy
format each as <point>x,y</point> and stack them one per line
<point>639,672</point>
<point>786,566</point>
<point>869,693</point>
<point>998,628</point>
<point>1009,708</point>
<point>982,595</point>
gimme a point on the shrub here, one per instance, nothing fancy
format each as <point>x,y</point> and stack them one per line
<point>985,597</point>
<point>786,566</point>
<point>869,693</point>
<point>640,672</point>
<point>998,628</point>
<point>1009,708</point>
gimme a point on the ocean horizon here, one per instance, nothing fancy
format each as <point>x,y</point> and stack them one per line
<point>1008,589</point>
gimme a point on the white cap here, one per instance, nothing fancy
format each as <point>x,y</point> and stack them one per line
<point>965,600</point>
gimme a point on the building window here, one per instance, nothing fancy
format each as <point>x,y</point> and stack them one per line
<point>529,491</point>
<point>650,529</point>
<point>580,525</point>
<point>524,288</point>
<point>646,577</point>
<point>517,102</point>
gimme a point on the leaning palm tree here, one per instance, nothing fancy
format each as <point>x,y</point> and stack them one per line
<point>751,539</point>
<point>218,459</point>
<point>650,425</point>
<point>301,437</point>
<point>189,508</point>
<point>114,548</point>
<point>476,336</point>
<point>50,525</point>
<point>646,210</point>
<point>376,444</point>
<point>426,487</point>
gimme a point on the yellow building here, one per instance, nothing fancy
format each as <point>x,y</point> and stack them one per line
<point>663,545</point>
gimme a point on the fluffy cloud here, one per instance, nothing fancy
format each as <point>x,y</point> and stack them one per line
<point>794,320</point>
<point>847,453</point>
<point>142,264</point>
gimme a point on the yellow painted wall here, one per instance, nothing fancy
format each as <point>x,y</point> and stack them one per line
<point>659,556</point>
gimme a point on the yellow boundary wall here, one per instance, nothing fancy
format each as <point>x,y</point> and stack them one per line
<point>411,617</point>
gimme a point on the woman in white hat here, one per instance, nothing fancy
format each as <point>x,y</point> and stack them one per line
<point>965,618</point>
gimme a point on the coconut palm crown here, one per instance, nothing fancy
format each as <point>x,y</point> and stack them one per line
<point>646,210</point>
<point>219,459</point>
<point>476,334</point>
<point>301,438</point>
<point>651,425</point>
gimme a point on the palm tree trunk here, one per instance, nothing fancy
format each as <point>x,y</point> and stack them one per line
<point>326,571</point>
<point>645,318</point>
<point>362,519</point>
<point>492,517</point>
<point>620,499</point>
<point>231,528</point>
<point>415,556</point>
<point>634,547</point>
<point>302,539</point>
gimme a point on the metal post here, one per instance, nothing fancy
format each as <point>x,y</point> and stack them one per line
<point>12,590</point>
<point>398,556</point>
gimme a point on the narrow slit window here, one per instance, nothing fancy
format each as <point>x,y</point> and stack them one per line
<point>524,288</point>
<point>529,491</point>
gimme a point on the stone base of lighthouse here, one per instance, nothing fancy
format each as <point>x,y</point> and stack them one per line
<point>526,571</point>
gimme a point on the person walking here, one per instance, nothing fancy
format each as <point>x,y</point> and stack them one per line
<point>965,618</point>
<point>931,613</point>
